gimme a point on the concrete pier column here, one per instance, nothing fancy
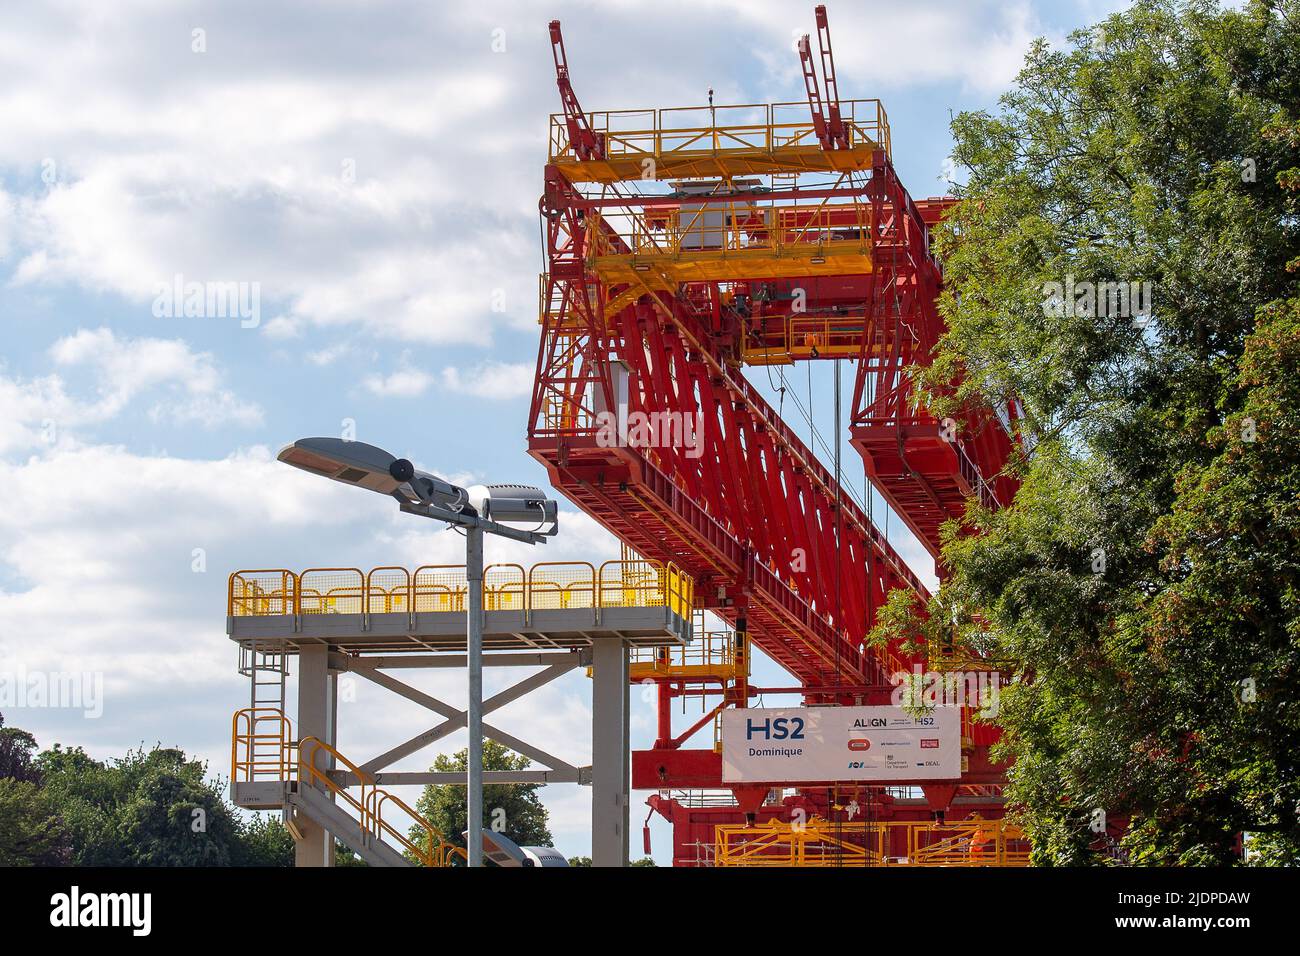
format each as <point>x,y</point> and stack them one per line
<point>315,719</point>
<point>610,753</point>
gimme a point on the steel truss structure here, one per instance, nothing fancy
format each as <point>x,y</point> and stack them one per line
<point>683,246</point>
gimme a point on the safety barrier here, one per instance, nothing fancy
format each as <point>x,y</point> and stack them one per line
<point>820,842</point>
<point>736,226</point>
<point>262,748</point>
<point>261,745</point>
<point>550,585</point>
<point>679,132</point>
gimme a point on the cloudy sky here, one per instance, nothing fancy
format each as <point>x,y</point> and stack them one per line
<point>371,170</point>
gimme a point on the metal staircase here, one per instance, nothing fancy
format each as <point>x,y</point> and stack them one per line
<point>270,769</point>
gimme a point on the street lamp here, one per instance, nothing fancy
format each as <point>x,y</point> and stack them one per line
<point>478,509</point>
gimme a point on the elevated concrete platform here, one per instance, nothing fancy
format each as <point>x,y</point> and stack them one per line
<point>550,606</point>
<point>546,629</point>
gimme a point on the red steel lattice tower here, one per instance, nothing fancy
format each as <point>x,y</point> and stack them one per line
<point>684,245</point>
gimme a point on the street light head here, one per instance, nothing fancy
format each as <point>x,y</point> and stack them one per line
<point>356,463</point>
<point>366,466</point>
<point>351,462</point>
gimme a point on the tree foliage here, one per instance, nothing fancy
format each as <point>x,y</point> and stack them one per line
<point>31,833</point>
<point>150,808</point>
<point>1144,582</point>
<point>512,809</point>
<point>17,754</point>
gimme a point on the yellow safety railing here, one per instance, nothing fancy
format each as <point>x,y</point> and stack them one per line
<point>549,585</point>
<point>388,590</point>
<point>261,745</point>
<point>262,748</point>
<point>262,592</point>
<point>820,842</point>
<point>331,591</point>
<point>561,585</point>
<point>681,132</point>
<point>806,337</point>
<point>733,227</point>
<point>431,849</point>
<point>710,655</point>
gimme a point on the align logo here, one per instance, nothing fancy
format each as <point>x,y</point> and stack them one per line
<point>74,909</point>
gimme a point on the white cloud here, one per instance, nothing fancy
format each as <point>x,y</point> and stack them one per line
<point>491,380</point>
<point>188,383</point>
<point>405,381</point>
<point>978,44</point>
<point>327,356</point>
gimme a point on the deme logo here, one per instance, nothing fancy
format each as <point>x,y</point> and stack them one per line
<point>859,743</point>
<point>775,728</point>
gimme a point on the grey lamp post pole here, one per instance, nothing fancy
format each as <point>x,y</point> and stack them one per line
<point>476,510</point>
<point>474,712</point>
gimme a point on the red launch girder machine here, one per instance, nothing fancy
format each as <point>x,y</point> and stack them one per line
<point>684,245</point>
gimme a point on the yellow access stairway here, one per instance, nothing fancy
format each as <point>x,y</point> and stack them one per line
<point>269,768</point>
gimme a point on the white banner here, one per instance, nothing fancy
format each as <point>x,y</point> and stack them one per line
<point>815,744</point>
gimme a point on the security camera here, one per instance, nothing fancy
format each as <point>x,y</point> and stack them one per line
<point>512,503</point>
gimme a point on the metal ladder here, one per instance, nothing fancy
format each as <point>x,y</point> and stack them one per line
<point>267,668</point>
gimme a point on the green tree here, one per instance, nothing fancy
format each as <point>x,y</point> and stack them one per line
<point>151,808</point>
<point>512,809</point>
<point>264,841</point>
<point>1144,582</point>
<point>17,752</point>
<point>31,833</point>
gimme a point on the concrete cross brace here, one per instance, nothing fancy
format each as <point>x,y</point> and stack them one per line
<point>456,718</point>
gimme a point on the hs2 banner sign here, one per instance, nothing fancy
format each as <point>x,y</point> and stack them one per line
<point>812,744</point>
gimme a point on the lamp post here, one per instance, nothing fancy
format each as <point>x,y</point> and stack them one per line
<point>477,510</point>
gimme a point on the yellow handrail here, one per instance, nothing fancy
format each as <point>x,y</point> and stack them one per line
<point>507,587</point>
<point>747,128</point>
<point>388,595</point>
<point>436,851</point>
<point>255,762</point>
<point>734,227</point>
<point>251,764</point>
<point>820,842</point>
